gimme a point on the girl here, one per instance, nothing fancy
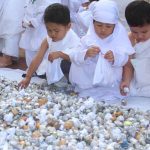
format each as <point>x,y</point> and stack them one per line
<point>96,68</point>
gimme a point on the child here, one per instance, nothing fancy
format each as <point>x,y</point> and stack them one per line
<point>138,69</point>
<point>11,14</point>
<point>35,30</point>
<point>57,46</point>
<point>96,67</point>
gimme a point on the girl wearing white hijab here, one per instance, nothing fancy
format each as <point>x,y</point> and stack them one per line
<point>96,68</point>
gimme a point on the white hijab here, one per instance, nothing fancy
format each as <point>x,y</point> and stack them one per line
<point>84,1</point>
<point>106,11</point>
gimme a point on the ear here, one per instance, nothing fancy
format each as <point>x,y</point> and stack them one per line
<point>69,26</point>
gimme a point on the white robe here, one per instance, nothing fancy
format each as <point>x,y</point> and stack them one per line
<point>1,6</point>
<point>84,73</point>
<point>11,23</point>
<point>11,14</point>
<point>74,6</point>
<point>66,45</point>
<point>84,19</point>
<point>33,36</point>
<point>140,85</point>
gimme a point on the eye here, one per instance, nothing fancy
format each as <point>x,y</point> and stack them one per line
<point>108,26</point>
<point>49,31</point>
<point>134,32</point>
<point>144,32</point>
<point>99,25</point>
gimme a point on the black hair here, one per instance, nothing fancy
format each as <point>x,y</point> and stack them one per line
<point>137,13</point>
<point>57,13</point>
<point>93,0</point>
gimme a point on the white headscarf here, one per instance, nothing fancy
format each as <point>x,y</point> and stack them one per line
<point>106,11</point>
<point>84,1</point>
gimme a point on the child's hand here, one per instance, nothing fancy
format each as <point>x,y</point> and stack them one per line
<point>122,86</point>
<point>53,55</point>
<point>24,83</point>
<point>92,51</point>
<point>31,25</point>
<point>25,24</point>
<point>109,56</point>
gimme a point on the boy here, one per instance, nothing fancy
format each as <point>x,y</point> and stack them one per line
<point>96,67</point>
<point>35,30</point>
<point>137,70</point>
<point>57,46</point>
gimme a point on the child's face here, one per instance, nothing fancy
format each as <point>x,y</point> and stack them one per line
<point>57,31</point>
<point>141,34</point>
<point>103,30</point>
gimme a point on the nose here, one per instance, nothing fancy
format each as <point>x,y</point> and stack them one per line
<point>52,34</point>
<point>103,29</point>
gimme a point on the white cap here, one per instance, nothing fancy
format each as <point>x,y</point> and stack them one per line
<point>84,1</point>
<point>106,11</point>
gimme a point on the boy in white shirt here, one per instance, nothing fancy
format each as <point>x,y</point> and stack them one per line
<point>56,46</point>
<point>136,72</point>
<point>35,30</point>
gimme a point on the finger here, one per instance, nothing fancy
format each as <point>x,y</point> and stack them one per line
<point>50,59</point>
<point>109,52</point>
<point>109,57</point>
<point>122,90</point>
<point>21,86</point>
<point>110,60</point>
<point>96,49</point>
<point>123,93</point>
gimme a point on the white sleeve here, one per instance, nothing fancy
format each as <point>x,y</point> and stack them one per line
<point>120,58</point>
<point>78,54</point>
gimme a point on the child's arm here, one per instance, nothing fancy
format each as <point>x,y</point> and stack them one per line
<point>126,76</point>
<point>35,63</point>
<point>55,55</point>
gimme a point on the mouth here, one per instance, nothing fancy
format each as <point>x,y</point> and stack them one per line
<point>53,39</point>
<point>102,35</point>
<point>141,40</point>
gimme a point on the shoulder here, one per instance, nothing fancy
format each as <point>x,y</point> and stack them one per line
<point>72,35</point>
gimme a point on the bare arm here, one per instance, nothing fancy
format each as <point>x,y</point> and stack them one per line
<point>127,75</point>
<point>38,58</point>
<point>35,63</point>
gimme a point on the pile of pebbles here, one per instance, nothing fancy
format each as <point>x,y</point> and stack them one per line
<point>44,117</point>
